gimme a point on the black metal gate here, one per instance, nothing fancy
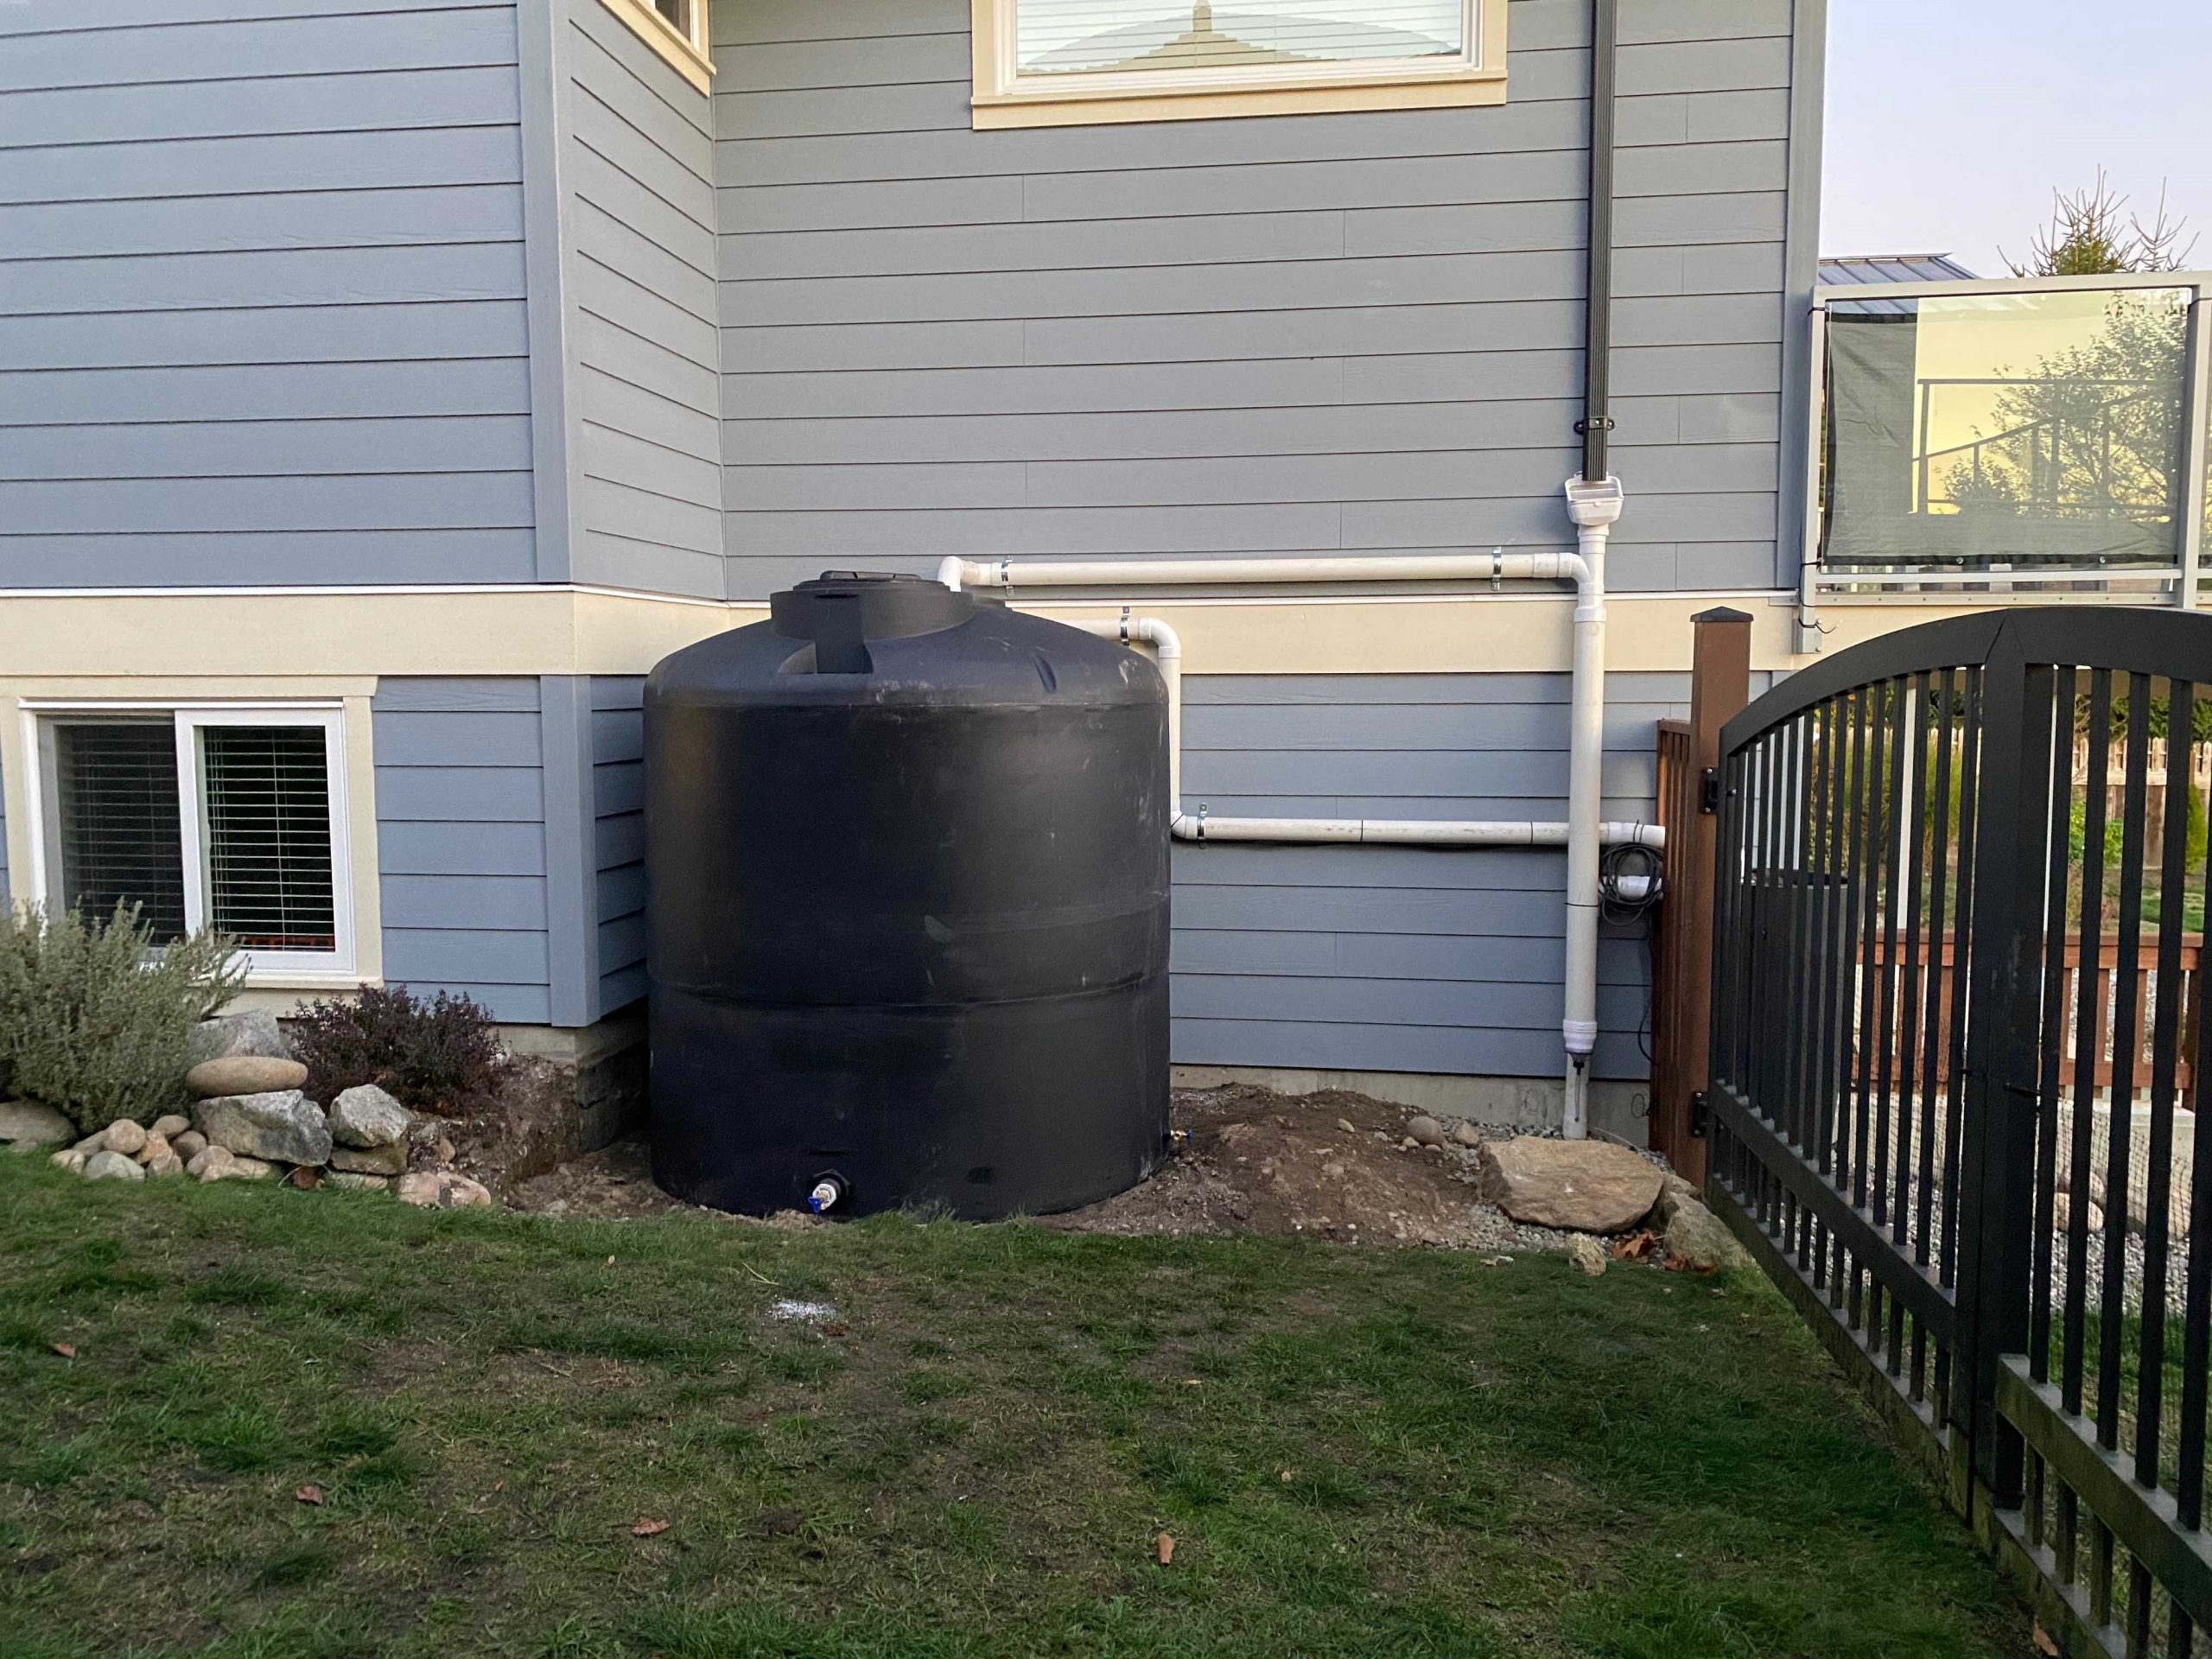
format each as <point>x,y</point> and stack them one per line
<point>1961,877</point>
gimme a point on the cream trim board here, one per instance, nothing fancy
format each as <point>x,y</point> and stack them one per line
<point>1002,98</point>
<point>186,644</point>
<point>349,743</point>
<point>688,55</point>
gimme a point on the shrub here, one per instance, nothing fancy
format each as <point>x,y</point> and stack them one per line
<point>441,1056</point>
<point>94,1021</point>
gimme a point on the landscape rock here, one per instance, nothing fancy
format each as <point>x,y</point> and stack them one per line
<point>196,1165</point>
<point>1672,1189</point>
<point>96,1142</point>
<point>245,1074</point>
<point>168,1164</point>
<point>187,1145</point>
<point>283,1124</point>
<point>351,1181</point>
<point>126,1136</point>
<point>2062,1213</point>
<point>371,1161</point>
<point>365,1115</point>
<point>442,1189</point>
<point>1426,1130</point>
<point>1466,1134</point>
<point>236,1169</point>
<point>71,1160</point>
<point>1584,1187</point>
<point>157,1145</point>
<point>1587,1255</point>
<point>1698,1239</point>
<point>28,1125</point>
<point>240,1034</point>
<point>112,1166</point>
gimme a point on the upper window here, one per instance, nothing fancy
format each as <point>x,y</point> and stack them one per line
<point>1054,62</point>
<point>675,28</point>
<point>224,817</point>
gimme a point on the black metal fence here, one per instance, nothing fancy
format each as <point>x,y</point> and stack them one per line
<point>1954,1051</point>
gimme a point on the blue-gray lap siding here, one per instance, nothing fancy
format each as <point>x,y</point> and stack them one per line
<point>1398,959</point>
<point>461,841</point>
<point>637,169</point>
<point>263,317</point>
<point>618,808</point>
<point>1306,335</point>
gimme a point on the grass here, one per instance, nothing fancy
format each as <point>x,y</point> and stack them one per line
<point>1358,1453</point>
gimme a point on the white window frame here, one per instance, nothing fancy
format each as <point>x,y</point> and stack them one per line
<point>686,50</point>
<point>187,719</point>
<point>1004,96</point>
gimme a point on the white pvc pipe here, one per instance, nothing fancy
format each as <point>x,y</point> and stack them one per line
<point>1496,565</point>
<point>1594,507</point>
<point>1167,647</point>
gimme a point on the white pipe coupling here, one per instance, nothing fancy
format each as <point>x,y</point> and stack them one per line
<point>1581,1036</point>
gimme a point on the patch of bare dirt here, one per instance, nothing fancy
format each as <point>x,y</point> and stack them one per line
<point>1332,1165</point>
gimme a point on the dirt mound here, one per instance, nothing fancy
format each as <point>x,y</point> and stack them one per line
<point>1332,1165</point>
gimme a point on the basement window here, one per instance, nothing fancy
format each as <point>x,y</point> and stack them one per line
<point>675,28</point>
<point>232,817</point>
<point>1067,62</point>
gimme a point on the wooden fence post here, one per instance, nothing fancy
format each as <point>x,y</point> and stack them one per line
<point>1720,685</point>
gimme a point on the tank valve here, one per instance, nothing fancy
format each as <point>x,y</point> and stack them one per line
<point>828,1192</point>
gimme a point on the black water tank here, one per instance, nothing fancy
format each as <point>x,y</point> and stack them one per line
<point>908,865</point>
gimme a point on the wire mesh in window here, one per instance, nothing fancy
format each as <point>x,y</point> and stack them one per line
<point>1058,37</point>
<point>269,865</point>
<point>122,841</point>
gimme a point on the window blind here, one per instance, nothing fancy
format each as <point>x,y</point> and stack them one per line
<point>269,864</point>
<point>1107,36</point>
<point>121,839</point>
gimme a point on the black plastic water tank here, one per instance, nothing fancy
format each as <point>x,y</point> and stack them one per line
<point>908,909</point>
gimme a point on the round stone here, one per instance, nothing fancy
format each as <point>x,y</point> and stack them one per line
<point>126,1136</point>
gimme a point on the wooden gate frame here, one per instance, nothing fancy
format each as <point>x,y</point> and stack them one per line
<point>1682,975</point>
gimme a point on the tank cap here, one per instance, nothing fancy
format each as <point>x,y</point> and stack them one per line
<point>842,610</point>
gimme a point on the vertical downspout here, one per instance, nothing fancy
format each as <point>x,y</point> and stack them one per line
<point>1594,502</point>
<point>1596,425</point>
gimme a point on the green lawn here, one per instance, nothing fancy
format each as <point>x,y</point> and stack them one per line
<point>1357,1451</point>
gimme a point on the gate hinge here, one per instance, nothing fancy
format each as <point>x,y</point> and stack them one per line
<point>1708,793</point>
<point>1701,1115</point>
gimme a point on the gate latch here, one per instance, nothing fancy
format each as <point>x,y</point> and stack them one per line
<point>1701,1115</point>
<point>1708,794</point>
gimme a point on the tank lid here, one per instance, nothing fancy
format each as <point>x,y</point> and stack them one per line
<point>842,610</point>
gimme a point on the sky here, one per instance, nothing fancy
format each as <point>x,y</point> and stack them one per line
<point>1949,122</point>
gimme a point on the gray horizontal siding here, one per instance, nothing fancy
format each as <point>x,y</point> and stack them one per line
<point>638,161</point>
<point>262,294</point>
<point>618,808</point>
<point>1312,334</point>
<point>1403,959</point>
<point>461,842</point>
